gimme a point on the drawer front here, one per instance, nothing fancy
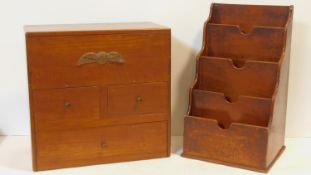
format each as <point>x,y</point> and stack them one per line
<point>66,104</point>
<point>100,145</point>
<point>88,60</point>
<point>147,98</point>
<point>84,107</point>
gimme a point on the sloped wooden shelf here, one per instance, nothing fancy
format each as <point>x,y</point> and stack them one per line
<point>237,104</point>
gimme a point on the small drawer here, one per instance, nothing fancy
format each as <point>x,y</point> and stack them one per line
<point>66,104</point>
<point>88,60</point>
<point>101,145</point>
<point>238,77</point>
<point>147,98</point>
<point>244,109</point>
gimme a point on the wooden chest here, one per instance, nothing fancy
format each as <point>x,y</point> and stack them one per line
<point>98,93</point>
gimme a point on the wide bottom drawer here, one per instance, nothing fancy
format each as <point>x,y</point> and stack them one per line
<point>101,145</point>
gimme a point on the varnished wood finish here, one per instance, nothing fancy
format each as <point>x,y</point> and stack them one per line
<point>237,104</point>
<point>261,43</point>
<point>98,113</point>
<point>104,144</point>
<point>91,28</point>
<point>66,104</point>
<point>149,99</point>
<point>60,55</point>
<point>248,110</point>
<point>235,77</point>
<point>240,144</point>
<point>250,16</point>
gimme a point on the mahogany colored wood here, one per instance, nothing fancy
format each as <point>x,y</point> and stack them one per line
<point>114,106</point>
<point>66,104</point>
<point>60,55</point>
<point>261,43</point>
<point>104,144</point>
<point>249,110</point>
<point>237,105</point>
<point>250,16</point>
<point>149,98</point>
<point>235,77</point>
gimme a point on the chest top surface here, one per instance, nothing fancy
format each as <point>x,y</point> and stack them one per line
<point>95,28</point>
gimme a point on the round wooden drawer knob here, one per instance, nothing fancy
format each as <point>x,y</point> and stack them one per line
<point>104,145</point>
<point>139,99</point>
<point>67,104</point>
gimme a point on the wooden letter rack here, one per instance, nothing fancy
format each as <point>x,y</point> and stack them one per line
<point>237,105</point>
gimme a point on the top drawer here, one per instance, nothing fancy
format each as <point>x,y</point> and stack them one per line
<point>85,60</point>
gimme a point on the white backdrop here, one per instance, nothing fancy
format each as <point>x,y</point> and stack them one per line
<point>185,17</point>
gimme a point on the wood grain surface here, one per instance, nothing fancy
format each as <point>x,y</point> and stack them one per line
<point>98,112</point>
<point>237,104</point>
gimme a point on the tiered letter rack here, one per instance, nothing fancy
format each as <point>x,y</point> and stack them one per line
<point>237,104</point>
